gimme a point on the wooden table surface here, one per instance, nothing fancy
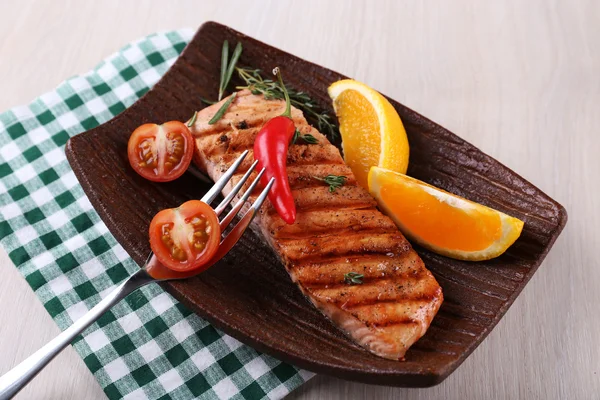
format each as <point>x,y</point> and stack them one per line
<point>520,80</point>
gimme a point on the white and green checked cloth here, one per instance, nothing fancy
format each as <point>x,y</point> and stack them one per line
<point>149,345</point>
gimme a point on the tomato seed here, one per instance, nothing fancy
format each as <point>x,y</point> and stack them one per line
<point>198,222</point>
<point>200,236</point>
<point>176,252</point>
<point>146,154</point>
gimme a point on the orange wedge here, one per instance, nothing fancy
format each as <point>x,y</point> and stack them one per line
<point>372,132</point>
<point>440,221</point>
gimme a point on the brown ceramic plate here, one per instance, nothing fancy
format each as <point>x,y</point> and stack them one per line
<point>249,294</point>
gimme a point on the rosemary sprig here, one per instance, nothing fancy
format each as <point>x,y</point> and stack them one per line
<point>219,114</point>
<point>227,67</point>
<point>308,138</point>
<point>272,90</point>
<point>353,278</point>
<point>224,65</point>
<point>192,120</point>
<point>334,181</point>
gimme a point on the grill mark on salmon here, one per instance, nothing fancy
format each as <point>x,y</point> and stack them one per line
<point>299,154</point>
<point>319,198</point>
<point>327,222</point>
<point>334,233</point>
<point>371,267</point>
<point>303,176</point>
<point>359,243</point>
<point>245,137</point>
<point>378,314</point>
<point>377,290</point>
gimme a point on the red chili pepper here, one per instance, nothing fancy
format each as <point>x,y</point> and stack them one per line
<point>270,149</point>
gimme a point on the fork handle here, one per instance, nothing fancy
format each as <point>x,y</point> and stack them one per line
<point>15,379</point>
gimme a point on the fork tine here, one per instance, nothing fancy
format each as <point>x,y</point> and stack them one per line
<point>236,208</point>
<point>235,190</point>
<point>261,197</point>
<point>220,184</point>
<point>238,230</point>
<point>148,259</point>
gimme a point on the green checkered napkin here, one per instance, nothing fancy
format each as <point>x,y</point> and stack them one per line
<point>148,346</point>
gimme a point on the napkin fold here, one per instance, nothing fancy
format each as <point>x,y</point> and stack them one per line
<point>149,345</point>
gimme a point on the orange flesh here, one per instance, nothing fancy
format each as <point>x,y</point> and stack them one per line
<point>438,223</point>
<point>358,123</point>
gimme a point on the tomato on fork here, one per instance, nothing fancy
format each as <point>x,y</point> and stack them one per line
<point>185,238</point>
<point>161,153</point>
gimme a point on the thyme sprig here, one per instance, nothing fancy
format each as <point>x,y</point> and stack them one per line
<point>272,90</point>
<point>353,278</point>
<point>334,181</point>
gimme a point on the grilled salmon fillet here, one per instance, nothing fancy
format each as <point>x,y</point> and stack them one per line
<point>334,233</point>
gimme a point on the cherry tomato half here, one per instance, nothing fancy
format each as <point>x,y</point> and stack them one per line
<point>186,237</point>
<point>161,153</point>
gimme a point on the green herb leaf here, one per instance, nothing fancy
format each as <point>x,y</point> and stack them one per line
<point>295,137</point>
<point>353,278</point>
<point>227,68</point>
<point>219,114</point>
<point>237,52</point>
<point>334,181</point>
<point>310,139</point>
<point>224,66</point>
<point>206,101</point>
<point>192,120</point>
<point>272,90</point>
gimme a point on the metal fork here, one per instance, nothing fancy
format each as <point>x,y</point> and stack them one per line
<point>14,380</point>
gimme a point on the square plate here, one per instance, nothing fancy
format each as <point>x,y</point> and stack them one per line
<point>249,295</point>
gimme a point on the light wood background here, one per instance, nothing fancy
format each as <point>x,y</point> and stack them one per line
<point>519,79</point>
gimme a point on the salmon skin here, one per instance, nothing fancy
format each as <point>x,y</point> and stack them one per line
<point>334,233</point>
